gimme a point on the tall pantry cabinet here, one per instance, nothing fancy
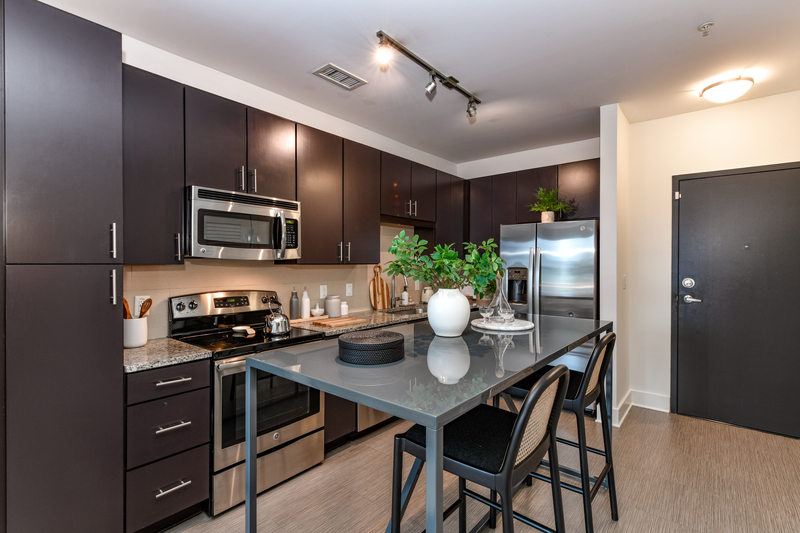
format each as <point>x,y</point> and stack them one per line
<point>62,200</point>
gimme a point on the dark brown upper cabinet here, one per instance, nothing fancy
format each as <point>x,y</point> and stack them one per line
<point>480,209</point>
<point>216,141</point>
<point>319,190</point>
<point>579,182</point>
<point>152,168</point>
<point>63,139</point>
<point>458,188</point>
<point>361,223</point>
<point>395,186</point>
<point>270,155</point>
<point>528,182</point>
<point>423,192</point>
<point>450,211</point>
<point>504,202</point>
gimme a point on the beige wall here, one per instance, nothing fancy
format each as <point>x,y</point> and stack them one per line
<point>757,132</point>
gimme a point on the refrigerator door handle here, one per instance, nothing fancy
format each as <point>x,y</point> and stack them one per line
<point>534,281</point>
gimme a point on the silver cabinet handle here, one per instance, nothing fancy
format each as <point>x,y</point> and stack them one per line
<point>243,185</point>
<point>409,208</point>
<point>255,180</point>
<point>689,300</point>
<point>180,424</point>
<point>348,251</point>
<point>162,492</point>
<point>114,240</point>
<point>415,208</point>
<point>172,381</point>
<point>113,286</point>
<point>178,246</point>
<point>341,253</point>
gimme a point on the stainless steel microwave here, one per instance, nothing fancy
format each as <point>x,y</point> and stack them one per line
<point>234,225</point>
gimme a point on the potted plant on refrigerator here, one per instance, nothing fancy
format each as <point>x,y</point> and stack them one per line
<point>445,272</point>
<point>548,203</point>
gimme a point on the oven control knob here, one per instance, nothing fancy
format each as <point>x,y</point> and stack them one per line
<point>192,305</point>
<point>180,306</point>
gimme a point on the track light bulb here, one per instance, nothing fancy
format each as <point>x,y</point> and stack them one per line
<point>431,86</point>
<point>472,110</point>
<point>384,54</point>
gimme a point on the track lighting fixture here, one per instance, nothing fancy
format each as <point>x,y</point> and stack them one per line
<point>384,56</point>
<point>431,85</point>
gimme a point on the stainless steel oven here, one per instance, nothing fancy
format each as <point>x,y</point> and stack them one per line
<point>290,435</point>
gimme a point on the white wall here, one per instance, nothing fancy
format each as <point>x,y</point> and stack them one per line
<point>536,158</point>
<point>756,132</point>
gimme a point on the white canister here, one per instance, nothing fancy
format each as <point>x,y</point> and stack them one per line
<point>333,307</point>
<point>134,332</point>
<point>345,309</point>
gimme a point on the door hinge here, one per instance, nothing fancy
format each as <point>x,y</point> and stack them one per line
<point>677,195</point>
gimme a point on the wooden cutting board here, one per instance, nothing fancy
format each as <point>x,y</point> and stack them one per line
<point>309,319</point>
<point>340,322</point>
<point>379,295</point>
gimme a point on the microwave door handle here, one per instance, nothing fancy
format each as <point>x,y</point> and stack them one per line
<point>282,252</point>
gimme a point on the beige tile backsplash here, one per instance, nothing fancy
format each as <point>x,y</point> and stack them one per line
<point>161,282</point>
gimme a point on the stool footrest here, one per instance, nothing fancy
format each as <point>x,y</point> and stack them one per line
<point>576,445</point>
<point>522,518</point>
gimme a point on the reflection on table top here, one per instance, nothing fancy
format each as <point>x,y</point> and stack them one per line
<point>439,378</point>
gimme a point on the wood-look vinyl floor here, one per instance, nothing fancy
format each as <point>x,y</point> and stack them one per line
<point>674,473</point>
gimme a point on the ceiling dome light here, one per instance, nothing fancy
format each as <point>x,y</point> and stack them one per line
<point>384,54</point>
<point>472,110</point>
<point>727,90</point>
<point>431,85</point>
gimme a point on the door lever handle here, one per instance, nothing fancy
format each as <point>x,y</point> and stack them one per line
<point>690,300</point>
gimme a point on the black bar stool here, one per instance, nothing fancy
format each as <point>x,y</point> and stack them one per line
<point>580,394</point>
<point>493,448</point>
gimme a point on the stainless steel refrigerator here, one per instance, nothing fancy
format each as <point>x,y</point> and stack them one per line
<point>553,268</point>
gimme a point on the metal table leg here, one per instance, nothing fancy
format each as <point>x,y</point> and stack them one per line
<point>251,482</point>
<point>434,480</point>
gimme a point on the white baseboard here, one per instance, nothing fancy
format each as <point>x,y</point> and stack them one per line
<point>622,411</point>
<point>648,400</point>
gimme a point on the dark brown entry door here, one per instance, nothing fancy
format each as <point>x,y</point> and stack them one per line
<point>737,239</point>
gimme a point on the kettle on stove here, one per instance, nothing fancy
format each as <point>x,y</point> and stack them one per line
<point>276,323</point>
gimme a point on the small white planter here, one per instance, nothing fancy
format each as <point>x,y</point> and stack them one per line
<point>448,312</point>
<point>448,359</point>
<point>548,216</point>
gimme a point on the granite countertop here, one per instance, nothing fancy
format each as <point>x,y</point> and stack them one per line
<point>161,352</point>
<point>374,319</point>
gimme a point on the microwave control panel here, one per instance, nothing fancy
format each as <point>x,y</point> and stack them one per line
<point>291,233</point>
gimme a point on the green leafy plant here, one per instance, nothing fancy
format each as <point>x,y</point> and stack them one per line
<point>443,269</point>
<point>549,201</point>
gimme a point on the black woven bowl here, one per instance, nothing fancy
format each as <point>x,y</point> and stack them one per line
<point>371,347</point>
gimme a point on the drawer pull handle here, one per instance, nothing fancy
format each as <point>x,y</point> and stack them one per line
<point>162,492</point>
<point>176,426</point>
<point>172,382</point>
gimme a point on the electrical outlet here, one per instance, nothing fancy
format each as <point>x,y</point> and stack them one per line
<point>137,305</point>
<point>348,289</point>
<point>416,284</point>
<point>323,291</point>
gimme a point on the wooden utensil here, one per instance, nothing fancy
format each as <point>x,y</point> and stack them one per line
<point>145,307</point>
<point>379,295</point>
<point>127,309</point>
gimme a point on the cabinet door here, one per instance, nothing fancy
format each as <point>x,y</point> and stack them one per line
<point>457,196</point>
<point>216,143</point>
<point>423,192</point>
<point>362,215</point>
<point>395,185</point>
<point>340,417</point>
<point>528,182</point>
<point>64,401</point>
<point>480,209</point>
<point>152,168</point>
<point>444,209</point>
<point>319,191</point>
<point>270,155</point>
<point>63,135</point>
<point>580,182</point>
<point>504,202</point>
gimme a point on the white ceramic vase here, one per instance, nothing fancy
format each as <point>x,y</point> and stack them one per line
<point>448,312</point>
<point>548,216</point>
<point>448,359</point>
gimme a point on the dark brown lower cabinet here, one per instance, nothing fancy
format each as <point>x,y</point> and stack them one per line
<point>64,400</point>
<point>340,418</point>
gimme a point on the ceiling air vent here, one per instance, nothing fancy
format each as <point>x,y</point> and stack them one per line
<point>340,77</point>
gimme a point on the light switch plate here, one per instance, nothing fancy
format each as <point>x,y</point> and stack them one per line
<point>323,291</point>
<point>348,289</point>
<point>416,284</point>
<point>137,305</point>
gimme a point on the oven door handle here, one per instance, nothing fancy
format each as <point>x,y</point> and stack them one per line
<point>226,366</point>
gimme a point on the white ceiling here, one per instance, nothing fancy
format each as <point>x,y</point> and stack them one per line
<point>542,68</point>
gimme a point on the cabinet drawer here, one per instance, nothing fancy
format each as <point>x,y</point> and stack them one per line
<point>162,489</point>
<point>166,426</point>
<point>161,382</point>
